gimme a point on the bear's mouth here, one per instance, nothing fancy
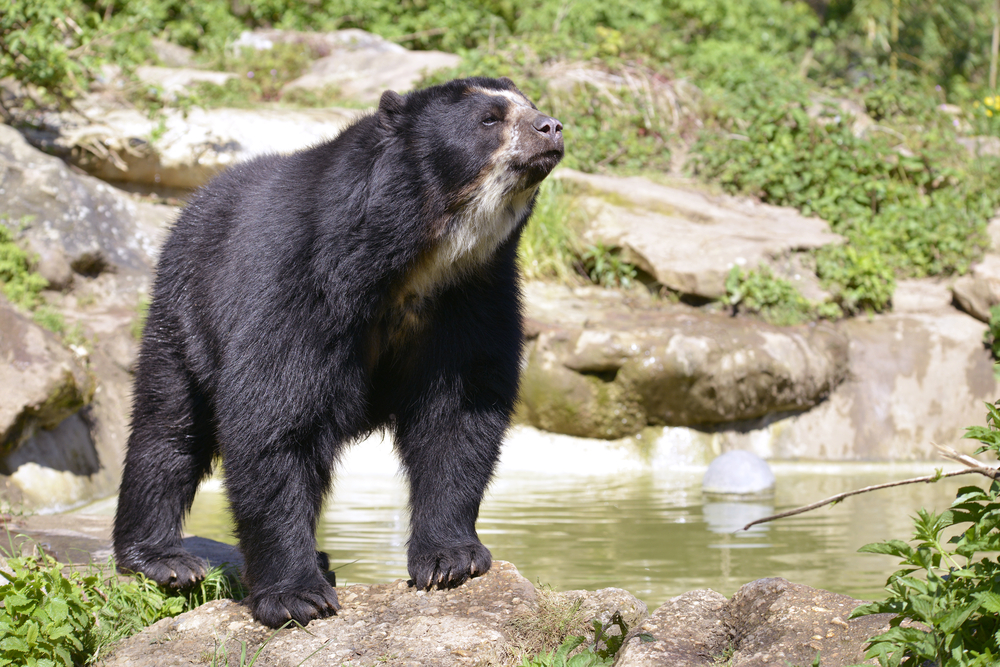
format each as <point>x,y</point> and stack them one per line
<point>537,167</point>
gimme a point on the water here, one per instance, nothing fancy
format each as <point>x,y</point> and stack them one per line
<point>650,532</point>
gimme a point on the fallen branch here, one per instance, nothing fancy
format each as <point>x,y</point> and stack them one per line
<point>972,466</point>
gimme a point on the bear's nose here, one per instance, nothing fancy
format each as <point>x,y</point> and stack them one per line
<point>547,126</point>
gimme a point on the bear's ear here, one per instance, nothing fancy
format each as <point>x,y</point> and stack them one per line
<point>507,80</point>
<point>389,106</point>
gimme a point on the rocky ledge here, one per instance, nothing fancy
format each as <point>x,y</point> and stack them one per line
<point>492,620</point>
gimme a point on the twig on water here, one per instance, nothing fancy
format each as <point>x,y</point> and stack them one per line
<point>972,466</point>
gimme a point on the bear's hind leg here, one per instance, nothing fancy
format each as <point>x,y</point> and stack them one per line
<point>170,451</point>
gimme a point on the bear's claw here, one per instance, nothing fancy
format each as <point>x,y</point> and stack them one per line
<point>171,567</point>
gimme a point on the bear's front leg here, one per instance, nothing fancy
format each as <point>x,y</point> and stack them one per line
<point>276,492</point>
<point>449,451</point>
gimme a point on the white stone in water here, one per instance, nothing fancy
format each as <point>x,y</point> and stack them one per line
<point>738,472</point>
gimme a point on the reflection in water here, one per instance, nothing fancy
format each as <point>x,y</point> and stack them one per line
<point>650,533</point>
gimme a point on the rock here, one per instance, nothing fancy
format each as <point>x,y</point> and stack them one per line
<point>981,146</point>
<point>922,296</point>
<point>827,110</point>
<point>474,623</point>
<point>979,290</point>
<point>363,74</point>
<point>84,539</point>
<point>172,55</point>
<point>738,472</point>
<point>767,622</point>
<point>646,362</point>
<point>107,243</point>
<point>891,406</point>
<point>687,631</point>
<point>178,81</point>
<point>358,64</point>
<point>179,149</point>
<point>685,240</point>
<point>73,219</point>
<point>44,383</point>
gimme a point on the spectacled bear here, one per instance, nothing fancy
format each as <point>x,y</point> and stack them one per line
<point>302,301</point>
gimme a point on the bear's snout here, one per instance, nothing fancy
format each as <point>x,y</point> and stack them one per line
<point>547,125</point>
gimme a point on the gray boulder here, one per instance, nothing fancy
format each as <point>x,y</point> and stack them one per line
<point>979,290</point>
<point>914,379</point>
<point>767,622</point>
<point>43,381</point>
<point>75,223</point>
<point>358,64</point>
<point>99,245</point>
<point>686,240</point>
<point>643,362</point>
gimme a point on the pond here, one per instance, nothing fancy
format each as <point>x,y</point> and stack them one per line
<point>648,531</point>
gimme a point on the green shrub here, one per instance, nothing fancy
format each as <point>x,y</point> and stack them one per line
<point>45,618</point>
<point>50,617</point>
<point>905,214</point>
<point>950,587</point>
<point>775,299</point>
<point>860,281</point>
<point>19,283</point>
<point>991,337</point>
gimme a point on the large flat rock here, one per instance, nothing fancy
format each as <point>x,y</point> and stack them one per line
<point>98,246</point>
<point>914,379</point>
<point>392,623</point>
<point>184,149</point>
<point>635,363</point>
<point>686,240</point>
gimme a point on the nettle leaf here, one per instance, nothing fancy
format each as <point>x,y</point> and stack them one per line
<point>58,609</point>
<point>13,643</point>
<point>889,548</point>
<point>990,601</point>
<point>955,618</point>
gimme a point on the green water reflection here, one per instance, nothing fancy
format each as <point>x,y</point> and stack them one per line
<point>652,534</point>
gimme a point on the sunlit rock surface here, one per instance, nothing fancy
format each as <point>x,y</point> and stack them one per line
<point>686,240</point>
<point>605,368</point>
<point>767,622</point>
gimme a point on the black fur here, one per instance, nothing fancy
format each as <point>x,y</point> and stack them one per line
<point>284,323</point>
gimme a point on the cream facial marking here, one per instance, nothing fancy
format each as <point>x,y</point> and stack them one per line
<point>516,98</point>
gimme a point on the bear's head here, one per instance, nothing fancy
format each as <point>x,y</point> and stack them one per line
<point>474,133</point>
<point>480,149</point>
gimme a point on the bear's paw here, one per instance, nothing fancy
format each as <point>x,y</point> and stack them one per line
<point>448,567</point>
<point>277,604</point>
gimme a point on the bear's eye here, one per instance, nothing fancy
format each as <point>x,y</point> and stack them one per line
<point>490,120</point>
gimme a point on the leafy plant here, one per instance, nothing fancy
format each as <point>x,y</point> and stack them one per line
<point>775,299</point>
<point>19,283</point>
<point>45,616</point>
<point>605,267</point>
<point>946,596</point>
<point>50,617</point>
<point>861,281</point>
<point>548,247</point>
<point>601,652</point>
